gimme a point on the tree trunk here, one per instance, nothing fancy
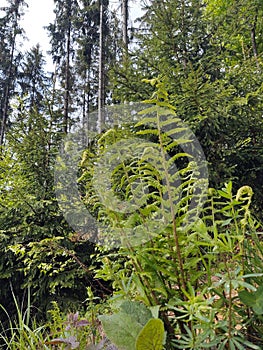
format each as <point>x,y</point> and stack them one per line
<point>101,73</point>
<point>8,84</point>
<point>67,72</point>
<point>125,16</point>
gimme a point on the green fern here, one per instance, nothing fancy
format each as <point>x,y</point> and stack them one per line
<point>176,237</point>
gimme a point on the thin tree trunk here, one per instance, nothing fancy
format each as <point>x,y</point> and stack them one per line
<point>8,85</point>
<point>101,73</point>
<point>85,109</point>
<point>67,78</point>
<point>5,113</point>
<point>88,108</point>
<point>125,16</point>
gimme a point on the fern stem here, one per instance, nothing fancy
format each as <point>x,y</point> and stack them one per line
<point>181,278</point>
<point>229,306</point>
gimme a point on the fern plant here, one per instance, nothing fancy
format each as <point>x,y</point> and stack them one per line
<point>173,244</point>
<point>150,183</point>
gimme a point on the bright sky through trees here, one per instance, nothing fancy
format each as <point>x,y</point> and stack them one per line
<point>40,13</point>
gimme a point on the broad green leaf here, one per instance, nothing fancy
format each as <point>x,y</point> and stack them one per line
<point>137,311</point>
<point>121,329</point>
<point>254,300</point>
<point>152,336</point>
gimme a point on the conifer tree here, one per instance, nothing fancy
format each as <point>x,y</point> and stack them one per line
<point>10,58</point>
<point>209,55</point>
<point>32,79</point>
<point>63,39</point>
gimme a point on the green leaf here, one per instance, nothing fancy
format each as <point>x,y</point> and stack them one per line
<point>121,329</point>
<point>155,311</point>
<point>137,311</point>
<point>152,336</point>
<point>254,300</point>
<point>224,194</point>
